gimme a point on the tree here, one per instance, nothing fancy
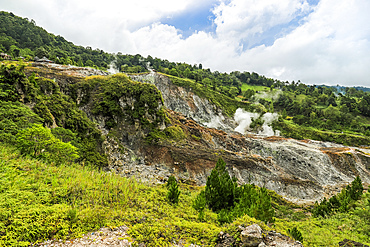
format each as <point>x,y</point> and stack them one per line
<point>89,63</point>
<point>173,72</point>
<point>233,92</point>
<point>41,52</point>
<point>249,93</point>
<point>220,188</point>
<point>356,189</point>
<point>173,190</point>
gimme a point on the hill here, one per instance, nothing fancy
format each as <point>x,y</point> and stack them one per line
<point>69,133</point>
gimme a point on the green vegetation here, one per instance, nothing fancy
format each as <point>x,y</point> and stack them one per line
<point>42,201</point>
<point>296,234</point>
<point>39,142</point>
<point>227,104</point>
<point>50,107</point>
<point>290,129</point>
<point>341,202</point>
<point>325,108</point>
<point>51,184</point>
<point>142,100</point>
<point>222,195</point>
<point>173,190</point>
<point>20,37</point>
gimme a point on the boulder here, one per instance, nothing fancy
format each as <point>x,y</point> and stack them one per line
<point>251,236</point>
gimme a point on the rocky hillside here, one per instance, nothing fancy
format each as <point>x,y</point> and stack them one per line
<point>300,170</point>
<point>194,132</point>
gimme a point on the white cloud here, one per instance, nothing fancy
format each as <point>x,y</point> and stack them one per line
<point>242,19</point>
<point>331,47</point>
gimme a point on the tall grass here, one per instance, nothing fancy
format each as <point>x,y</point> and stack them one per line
<point>40,201</point>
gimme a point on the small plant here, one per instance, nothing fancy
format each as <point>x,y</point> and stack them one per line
<point>200,204</point>
<point>173,190</point>
<point>222,195</point>
<point>341,202</point>
<point>296,234</point>
<point>220,188</point>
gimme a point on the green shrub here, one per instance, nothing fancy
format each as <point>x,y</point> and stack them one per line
<point>173,190</point>
<point>296,234</point>
<point>223,195</point>
<point>199,205</point>
<point>220,188</point>
<point>14,117</point>
<point>39,142</point>
<point>341,202</point>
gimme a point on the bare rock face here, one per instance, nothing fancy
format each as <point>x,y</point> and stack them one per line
<point>187,103</point>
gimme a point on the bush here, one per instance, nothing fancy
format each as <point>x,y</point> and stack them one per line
<point>220,188</point>
<point>296,234</point>
<point>340,202</point>
<point>223,195</point>
<point>173,190</point>
<point>39,142</point>
<point>199,204</point>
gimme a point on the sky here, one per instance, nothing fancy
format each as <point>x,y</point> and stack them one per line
<point>314,41</point>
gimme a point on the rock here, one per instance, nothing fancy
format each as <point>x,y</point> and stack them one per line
<point>251,236</point>
<point>349,243</point>
<point>273,238</point>
<point>224,240</point>
<point>104,237</point>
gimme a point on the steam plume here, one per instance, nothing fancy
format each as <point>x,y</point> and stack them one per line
<point>244,119</point>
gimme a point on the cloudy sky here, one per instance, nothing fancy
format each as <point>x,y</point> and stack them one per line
<point>315,41</point>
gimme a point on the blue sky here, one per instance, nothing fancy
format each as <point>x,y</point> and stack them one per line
<point>315,41</point>
<point>189,21</point>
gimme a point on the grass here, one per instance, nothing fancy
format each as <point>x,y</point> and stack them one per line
<point>245,87</point>
<point>292,130</point>
<point>40,201</point>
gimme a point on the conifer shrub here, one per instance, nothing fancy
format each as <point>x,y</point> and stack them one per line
<point>199,205</point>
<point>341,202</point>
<point>173,190</point>
<point>220,188</point>
<point>230,201</point>
<point>296,234</point>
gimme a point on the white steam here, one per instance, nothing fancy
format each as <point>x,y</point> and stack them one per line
<point>113,68</point>
<point>267,119</point>
<point>216,122</point>
<point>274,95</point>
<point>244,120</point>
